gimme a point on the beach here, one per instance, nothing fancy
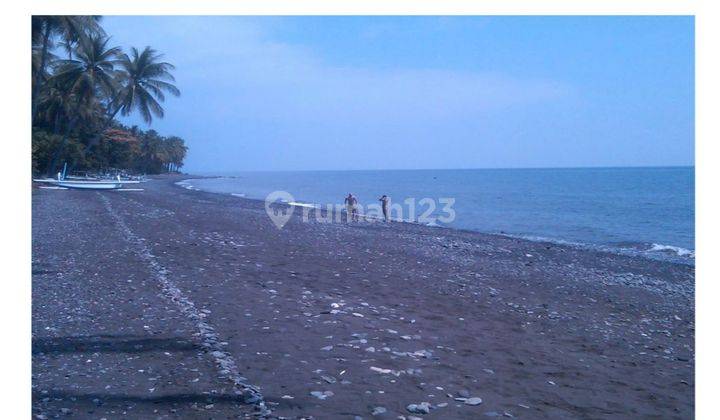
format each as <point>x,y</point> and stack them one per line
<point>173,303</point>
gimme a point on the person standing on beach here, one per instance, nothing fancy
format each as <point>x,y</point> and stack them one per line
<point>385,200</point>
<point>351,207</point>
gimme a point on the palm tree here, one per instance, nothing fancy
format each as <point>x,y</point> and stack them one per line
<point>176,152</point>
<point>151,150</point>
<point>44,29</point>
<point>79,85</point>
<point>86,80</point>
<point>39,74</point>
<point>54,106</point>
<point>144,81</point>
<point>92,71</point>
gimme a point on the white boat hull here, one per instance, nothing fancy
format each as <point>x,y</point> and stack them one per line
<point>55,181</point>
<point>90,185</point>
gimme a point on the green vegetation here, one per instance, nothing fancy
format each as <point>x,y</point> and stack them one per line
<point>80,83</point>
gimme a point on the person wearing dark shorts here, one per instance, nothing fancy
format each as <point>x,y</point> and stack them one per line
<point>385,200</point>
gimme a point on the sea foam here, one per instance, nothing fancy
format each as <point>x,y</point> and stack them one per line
<point>683,252</point>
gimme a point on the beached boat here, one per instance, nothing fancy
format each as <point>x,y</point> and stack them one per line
<point>84,184</point>
<point>90,185</point>
<point>120,179</point>
<point>87,183</point>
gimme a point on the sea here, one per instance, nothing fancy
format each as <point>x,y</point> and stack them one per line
<point>647,212</point>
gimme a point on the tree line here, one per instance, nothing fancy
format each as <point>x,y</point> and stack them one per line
<point>80,84</point>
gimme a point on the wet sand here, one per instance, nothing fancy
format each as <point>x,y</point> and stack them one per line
<point>170,303</point>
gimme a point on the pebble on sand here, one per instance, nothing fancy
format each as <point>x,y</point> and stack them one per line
<point>422,408</point>
<point>322,394</point>
<point>379,410</point>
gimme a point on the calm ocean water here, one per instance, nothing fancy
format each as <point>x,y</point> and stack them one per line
<point>637,211</point>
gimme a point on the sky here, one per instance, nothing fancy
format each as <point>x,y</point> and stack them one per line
<point>329,93</point>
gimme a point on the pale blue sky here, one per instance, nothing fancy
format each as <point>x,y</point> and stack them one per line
<point>274,93</point>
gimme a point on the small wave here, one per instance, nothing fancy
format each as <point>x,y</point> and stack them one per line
<point>682,252</point>
<point>299,204</point>
<point>185,184</point>
<point>652,251</point>
<point>535,238</point>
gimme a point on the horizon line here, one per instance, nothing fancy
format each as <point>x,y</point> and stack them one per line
<point>451,169</point>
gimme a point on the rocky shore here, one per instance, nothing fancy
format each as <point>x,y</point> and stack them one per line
<point>171,303</point>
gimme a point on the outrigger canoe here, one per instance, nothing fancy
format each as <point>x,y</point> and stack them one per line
<point>99,184</point>
<point>90,185</point>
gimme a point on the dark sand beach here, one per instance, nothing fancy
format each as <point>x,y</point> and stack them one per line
<point>170,303</point>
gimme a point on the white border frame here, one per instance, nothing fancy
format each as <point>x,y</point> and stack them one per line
<point>15,164</point>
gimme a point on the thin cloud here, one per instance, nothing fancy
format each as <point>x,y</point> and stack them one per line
<point>293,82</point>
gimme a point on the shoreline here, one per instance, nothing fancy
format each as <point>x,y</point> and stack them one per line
<point>654,253</point>
<point>570,247</point>
<point>165,302</point>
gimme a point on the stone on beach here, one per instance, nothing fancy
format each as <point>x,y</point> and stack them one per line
<point>422,408</point>
<point>322,394</point>
<point>379,410</point>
